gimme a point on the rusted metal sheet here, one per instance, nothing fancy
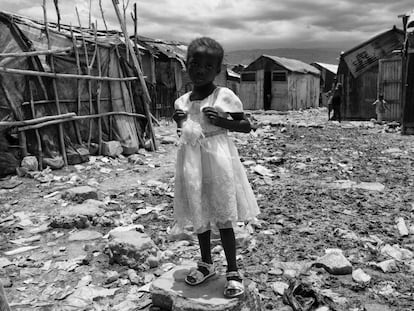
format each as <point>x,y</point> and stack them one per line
<point>389,84</point>
<point>367,55</point>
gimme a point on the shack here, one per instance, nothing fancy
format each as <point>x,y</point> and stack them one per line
<point>278,83</point>
<point>164,71</point>
<point>66,91</point>
<point>328,74</point>
<point>371,68</point>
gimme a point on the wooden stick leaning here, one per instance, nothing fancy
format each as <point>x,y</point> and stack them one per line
<point>52,67</point>
<point>37,120</point>
<point>88,68</point>
<point>35,53</point>
<point>99,89</point>
<point>78,85</point>
<point>58,121</point>
<point>147,97</point>
<point>62,75</point>
<point>38,138</point>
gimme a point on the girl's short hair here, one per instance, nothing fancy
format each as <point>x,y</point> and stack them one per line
<point>209,43</point>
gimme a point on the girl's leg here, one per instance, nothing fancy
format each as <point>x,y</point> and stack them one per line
<point>203,271</point>
<point>205,246</point>
<point>234,285</point>
<point>228,240</point>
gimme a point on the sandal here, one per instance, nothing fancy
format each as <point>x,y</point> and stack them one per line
<point>196,276</point>
<point>234,286</point>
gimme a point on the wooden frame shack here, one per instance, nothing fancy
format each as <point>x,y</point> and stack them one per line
<point>369,69</point>
<point>68,90</point>
<point>278,83</point>
<point>328,74</point>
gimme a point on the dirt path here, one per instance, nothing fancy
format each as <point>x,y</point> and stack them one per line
<point>319,185</point>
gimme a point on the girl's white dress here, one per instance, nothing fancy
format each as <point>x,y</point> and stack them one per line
<point>211,186</point>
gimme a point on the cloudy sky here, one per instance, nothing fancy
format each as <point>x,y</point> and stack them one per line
<point>240,24</point>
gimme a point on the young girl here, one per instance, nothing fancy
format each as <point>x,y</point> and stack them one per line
<point>211,186</point>
<point>380,107</point>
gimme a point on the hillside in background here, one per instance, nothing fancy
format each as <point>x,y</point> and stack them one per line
<point>329,56</point>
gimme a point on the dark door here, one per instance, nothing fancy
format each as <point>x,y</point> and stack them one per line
<point>267,90</point>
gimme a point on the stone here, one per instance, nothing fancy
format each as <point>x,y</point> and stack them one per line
<point>334,262</point>
<point>376,307</point>
<point>243,237</point>
<point>85,235</point>
<point>30,163</point>
<point>111,276</point>
<point>170,292</point>
<point>133,277</point>
<point>80,194</point>
<point>168,140</point>
<point>89,208</point>
<point>77,156</point>
<point>153,261</point>
<point>402,227</point>
<point>136,159</point>
<point>4,262</point>
<point>397,252</point>
<point>388,266</point>
<point>112,148</point>
<point>279,287</point>
<point>290,269</point>
<point>131,248</point>
<point>54,163</point>
<point>360,276</point>
<point>69,222</point>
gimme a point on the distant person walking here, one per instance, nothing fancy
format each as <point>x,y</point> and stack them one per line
<point>336,102</point>
<point>380,107</point>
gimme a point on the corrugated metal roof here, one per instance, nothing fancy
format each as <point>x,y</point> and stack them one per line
<point>233,74</point>
<point>332,68</point>
<point>294,65</point>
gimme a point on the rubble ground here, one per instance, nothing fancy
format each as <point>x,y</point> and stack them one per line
<point>336,205</point>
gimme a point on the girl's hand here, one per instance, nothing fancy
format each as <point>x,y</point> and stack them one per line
<point>179,115</point>
<point>211,114</point>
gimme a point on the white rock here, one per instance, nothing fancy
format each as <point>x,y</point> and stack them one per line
<point>112,148</point>
<point>388,266</point>
<point>334,262</point>
<point>360,276</point>
<point>279,287</point>
<point>402,227</point>
<point>85,235</point>
<point>30,163</point>
<point>397,252</point>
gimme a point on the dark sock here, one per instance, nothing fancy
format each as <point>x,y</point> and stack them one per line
<point>228,241</point>
<point>205,249</point>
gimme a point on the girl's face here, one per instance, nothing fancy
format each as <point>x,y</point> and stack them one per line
<point>203,66</point>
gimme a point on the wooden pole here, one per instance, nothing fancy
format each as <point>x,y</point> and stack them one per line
<point>37,120</point>
<point>62,101</point>
<point>62,75</point>
<point>131,96</point>
<point>147,97</point>
<point>57,13</point>
<point>52,67</point>
<point>38,138</point>
<point>89,82</point>
<point>89,17</point>
<point>103,16</point>
<point>35,53</point>
<point>78,85</point>
<point>99,89</point>
<point>62,120</point>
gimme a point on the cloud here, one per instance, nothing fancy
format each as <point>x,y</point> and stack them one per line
<point>240,24</point>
